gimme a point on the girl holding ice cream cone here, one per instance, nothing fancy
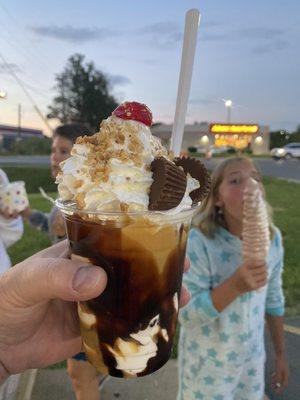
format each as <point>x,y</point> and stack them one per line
<point>221,347</point>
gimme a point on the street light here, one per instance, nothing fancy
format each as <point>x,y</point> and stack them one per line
<point>228,105</point>
<point>3,95</point>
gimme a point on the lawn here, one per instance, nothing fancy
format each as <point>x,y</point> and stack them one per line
<point>32,240</point>
<point>283,197</point>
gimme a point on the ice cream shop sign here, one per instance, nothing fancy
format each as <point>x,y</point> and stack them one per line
<point>239,136</point>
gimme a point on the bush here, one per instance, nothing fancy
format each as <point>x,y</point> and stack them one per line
<point>32,146</point>
<point>231,150</point>
<point>33,176</point>
<point>192,149</point>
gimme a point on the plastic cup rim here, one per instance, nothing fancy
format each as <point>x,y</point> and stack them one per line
<point>70,206</point>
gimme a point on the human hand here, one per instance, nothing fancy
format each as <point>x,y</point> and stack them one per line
<point>185,294</point>
<point>38,317</point>
<point>26,213</point>
<point>251,275</point>
<point>9,214</point>
<point>280,377</point>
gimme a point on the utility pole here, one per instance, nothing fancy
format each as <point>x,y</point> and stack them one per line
<point>19,122</point>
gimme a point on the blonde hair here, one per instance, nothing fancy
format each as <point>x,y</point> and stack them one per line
<point>209,217</point>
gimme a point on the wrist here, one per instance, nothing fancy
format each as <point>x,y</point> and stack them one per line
<point>235,285</point>
<point>280,354</point>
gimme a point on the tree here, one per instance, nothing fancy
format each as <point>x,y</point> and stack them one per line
<point>279,139</point>
<point>83,94</point>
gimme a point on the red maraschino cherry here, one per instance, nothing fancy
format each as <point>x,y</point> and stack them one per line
<point>132,110</point>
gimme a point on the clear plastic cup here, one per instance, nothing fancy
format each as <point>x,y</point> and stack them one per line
<point>129,329</point>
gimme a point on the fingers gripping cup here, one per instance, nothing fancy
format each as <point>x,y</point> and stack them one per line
<point>13,197</point>
<point>128,209</point>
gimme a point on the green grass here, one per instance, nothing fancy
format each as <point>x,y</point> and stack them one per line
<point>284,198</point>
<point>32,241</point>
<point>33,176</point>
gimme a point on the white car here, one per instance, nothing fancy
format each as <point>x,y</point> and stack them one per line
<point>288,151</point>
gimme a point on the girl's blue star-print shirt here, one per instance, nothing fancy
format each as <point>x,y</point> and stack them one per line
<point>236,334</point>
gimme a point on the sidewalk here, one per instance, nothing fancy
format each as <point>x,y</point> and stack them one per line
<point>56,385</point>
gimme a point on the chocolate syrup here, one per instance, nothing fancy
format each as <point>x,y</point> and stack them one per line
<point>144,265</point>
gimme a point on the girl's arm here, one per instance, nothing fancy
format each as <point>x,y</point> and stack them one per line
<point>280,377</point>
<point>274,317</point>
<point>249,276</point>
<point>11,230</point>
<point>207,303</point>
<point>275,325</point>
<point>198,280</point>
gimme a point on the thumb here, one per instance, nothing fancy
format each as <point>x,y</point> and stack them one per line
<point>42,279</point>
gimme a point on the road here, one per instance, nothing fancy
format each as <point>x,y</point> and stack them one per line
<point>292,339</point>
<point>289,169</point>
<point>24,160</point>
<point>162,385</point>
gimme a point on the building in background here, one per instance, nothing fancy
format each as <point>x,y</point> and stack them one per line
<point>219,135</point>
<point>10,134</point>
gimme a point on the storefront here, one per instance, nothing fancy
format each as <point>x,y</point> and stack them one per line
<point>218,135</point>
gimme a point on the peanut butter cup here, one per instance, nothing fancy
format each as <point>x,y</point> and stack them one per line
<point>168,187</point>
<point>198,171</point>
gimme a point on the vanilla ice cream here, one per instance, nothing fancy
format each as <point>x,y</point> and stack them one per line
<point>256,230</point>
<point>111,170</point>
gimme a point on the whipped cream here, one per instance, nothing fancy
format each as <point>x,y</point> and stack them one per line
<point>256,230</point>
<point>111,170</point>
<point>133,355</point>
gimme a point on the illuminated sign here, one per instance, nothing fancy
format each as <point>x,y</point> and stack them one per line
<point>233,128</point>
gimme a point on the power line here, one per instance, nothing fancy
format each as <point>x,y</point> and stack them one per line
<point>11,71</point>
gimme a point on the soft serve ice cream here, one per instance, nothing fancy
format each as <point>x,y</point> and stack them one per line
<point>111,170</point>
<point>128,208</point>
<point>256,230</point>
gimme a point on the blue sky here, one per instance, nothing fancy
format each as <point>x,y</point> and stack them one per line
<point>246,51</point>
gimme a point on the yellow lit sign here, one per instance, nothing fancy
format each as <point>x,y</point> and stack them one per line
<point>236,128</point>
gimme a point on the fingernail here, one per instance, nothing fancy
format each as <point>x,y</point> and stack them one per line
<point>87,278</point>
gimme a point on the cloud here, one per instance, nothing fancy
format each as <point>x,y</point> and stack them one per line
<point>260,33</point>
<point>266,39</point>
<point>269,47</point>
<point>162,35</point>
<point>73,35</point>
<point>6,68</point>
<point>203,101</point>
<point>118,80</point>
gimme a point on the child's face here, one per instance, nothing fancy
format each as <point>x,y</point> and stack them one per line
<point>60,151</point>
<point>230,193</point>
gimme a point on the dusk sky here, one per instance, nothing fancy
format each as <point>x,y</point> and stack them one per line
<point>247,51</point>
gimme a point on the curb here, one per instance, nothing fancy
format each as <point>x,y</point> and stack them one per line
<point>18,387</point>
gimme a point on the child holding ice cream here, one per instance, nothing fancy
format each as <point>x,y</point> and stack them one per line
<point>11,229</point>
<point>221,347</point>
